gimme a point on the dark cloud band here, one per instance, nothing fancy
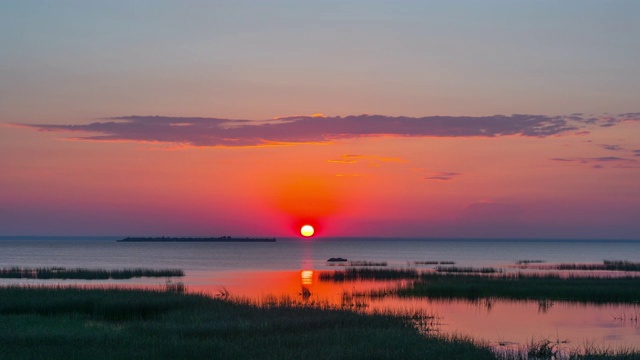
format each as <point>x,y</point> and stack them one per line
<point>301,129</point>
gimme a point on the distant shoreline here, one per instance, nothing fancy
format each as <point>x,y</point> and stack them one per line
<point>194,239</point>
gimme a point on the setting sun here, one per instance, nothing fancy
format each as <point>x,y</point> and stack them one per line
<point>307,230</point>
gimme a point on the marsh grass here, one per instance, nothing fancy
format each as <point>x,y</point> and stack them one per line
<point>470,283</point>
<point>546,349</point>
<point>528,261</point>
<point>487,283</point>
<point>367,263</point>
<point>585,289</point>
<point>80,323</point>
<point>84,273</point>
<point>351,274</point>
<point>468,270</point>
<point>74,323</point>
<point>607,265</point>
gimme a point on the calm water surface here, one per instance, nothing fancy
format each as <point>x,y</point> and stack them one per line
<point>282,268</point>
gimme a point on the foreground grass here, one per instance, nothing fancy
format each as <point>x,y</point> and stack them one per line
<point>71,323</point>
<point>84,274</point>
<point>557,350</point>
<point>526,287</point>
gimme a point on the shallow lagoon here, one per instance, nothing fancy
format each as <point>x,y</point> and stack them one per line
<point>285,267</point>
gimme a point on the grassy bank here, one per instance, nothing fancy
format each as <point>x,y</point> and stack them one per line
<point>69,323</point>
<point>526,287</point>
<point>351,274</point>
<point>467,270</point>
<point>477,283</point>
<point>84,274</point>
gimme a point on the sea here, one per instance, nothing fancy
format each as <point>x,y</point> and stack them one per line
<point>283,268</point>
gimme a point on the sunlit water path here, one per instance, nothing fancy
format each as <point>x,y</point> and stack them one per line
<point>257,270</point>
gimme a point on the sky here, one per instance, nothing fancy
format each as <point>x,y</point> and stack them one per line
<point>507,119</point>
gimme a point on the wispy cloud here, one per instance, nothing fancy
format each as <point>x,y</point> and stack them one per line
<point>301,129</point>
<point>606,120</point>
<point>612,147</point>
<point>599,162</point>
<point>606,159</point>
<point>370,159</point>
<point>443,176</point>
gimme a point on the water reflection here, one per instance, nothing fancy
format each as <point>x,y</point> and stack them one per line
<point>306,277</point>
<point>493,320</point>
<point>306,280</point>
<point>544,306</point>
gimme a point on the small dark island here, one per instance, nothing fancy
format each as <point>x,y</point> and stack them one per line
<point>196,239</point>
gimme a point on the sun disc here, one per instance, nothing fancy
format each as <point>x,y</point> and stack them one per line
<point>307,230</point>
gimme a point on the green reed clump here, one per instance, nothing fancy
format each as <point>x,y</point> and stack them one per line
<point>351,274</point>
<point>71,323</point>
<point>525,287</point>
<point>467,269</point>
<point>84,273</point>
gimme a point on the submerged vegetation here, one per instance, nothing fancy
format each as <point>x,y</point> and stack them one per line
<point>73,323</point>
<point>84,274</point>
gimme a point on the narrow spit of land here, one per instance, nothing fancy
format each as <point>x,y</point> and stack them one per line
<point>196,239</point>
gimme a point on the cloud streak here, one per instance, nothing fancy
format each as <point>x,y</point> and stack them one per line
<point>443,176</point>
<point>598,162</point>
<point>612,147</point>
<point>306,129</point>
<point>370,159</point>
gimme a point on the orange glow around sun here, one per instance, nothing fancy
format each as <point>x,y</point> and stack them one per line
<point>307,230</point>
<point>306,200</point>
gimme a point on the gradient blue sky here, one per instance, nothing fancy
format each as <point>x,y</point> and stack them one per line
<point>260,59</point>
<point>79,71</point>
